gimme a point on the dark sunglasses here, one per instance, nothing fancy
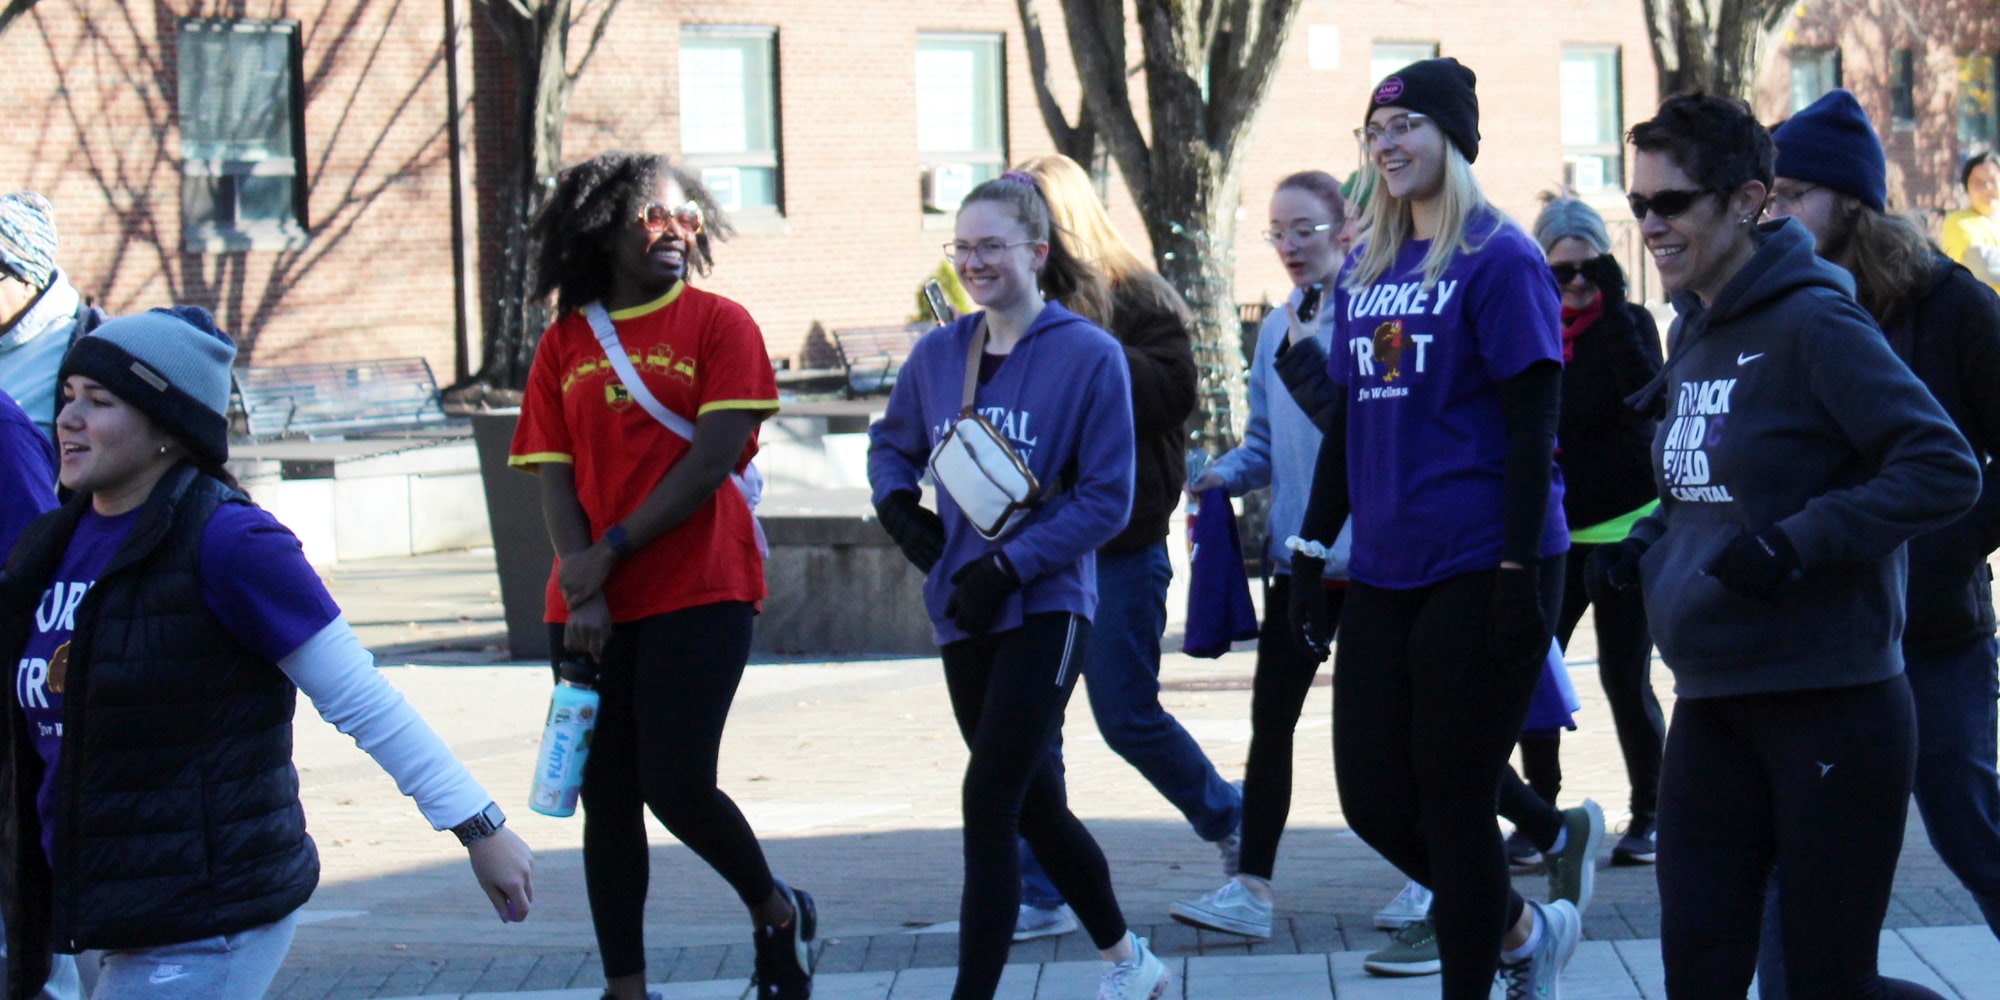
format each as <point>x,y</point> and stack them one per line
<point>1666,204</point>
<point>656,217</point>
<point>1566,273</point>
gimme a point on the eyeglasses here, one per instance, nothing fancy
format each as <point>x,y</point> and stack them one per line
<point>1666,204</point>
<point>656,217</point>
<point>1566,273</point>
<point>1395,128</point>
<point>985,252</point>
<point>1786,200</point>
<point>1298,234</point>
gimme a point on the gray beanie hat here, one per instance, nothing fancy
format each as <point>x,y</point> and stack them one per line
<point>1566,217</point>
<point>172,365</point>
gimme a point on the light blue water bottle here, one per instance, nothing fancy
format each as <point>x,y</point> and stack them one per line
<point>565,739</point>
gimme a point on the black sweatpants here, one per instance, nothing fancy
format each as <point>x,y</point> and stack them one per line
<point>1284,677</point>
<point>1008,692</point>
<point>1423,720</point>
<point>665,683</point>
<point>1815,782</point>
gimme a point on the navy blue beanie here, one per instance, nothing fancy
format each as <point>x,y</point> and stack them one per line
<point>1832,143</point>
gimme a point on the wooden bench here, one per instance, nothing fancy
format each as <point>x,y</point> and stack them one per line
<point>874,355</point>
<point>335,398</point>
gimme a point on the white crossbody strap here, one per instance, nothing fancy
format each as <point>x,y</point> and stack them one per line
<point>748,482</point>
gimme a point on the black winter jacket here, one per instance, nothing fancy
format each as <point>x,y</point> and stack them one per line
<point>1950,338</point>
<point>179,812</point>
<point>1160,353</point>
<point>1604,447</point>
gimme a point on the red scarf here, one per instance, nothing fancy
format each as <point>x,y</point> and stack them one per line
<point>1577,321</point>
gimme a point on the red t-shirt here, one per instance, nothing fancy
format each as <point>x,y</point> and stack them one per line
<point>697,353</point>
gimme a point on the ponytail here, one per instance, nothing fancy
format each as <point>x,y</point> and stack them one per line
<point>1065,277</point>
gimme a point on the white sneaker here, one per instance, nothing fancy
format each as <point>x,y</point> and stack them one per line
<point>1409,906</point>
<point>1232,909</point>
<point>1538,977</point>
<point>1035,922</point>
<point>1144,977</point>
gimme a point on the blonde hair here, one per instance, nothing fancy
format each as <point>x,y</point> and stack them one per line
<point>1076,210</point>
<point>1390,223</point>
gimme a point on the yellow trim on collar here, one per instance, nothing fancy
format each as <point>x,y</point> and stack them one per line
<point>654,306</point>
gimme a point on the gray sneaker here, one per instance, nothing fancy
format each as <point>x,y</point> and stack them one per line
<point>1573,870</point>
<point>1409,906</point>
<point>1412,952</point>
<point>1538,977</point>
<point>1232,909</point>
<point>1037,922</point>
<point>1144,977</point>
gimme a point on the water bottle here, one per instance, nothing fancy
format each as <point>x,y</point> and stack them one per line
<point>565,739</point>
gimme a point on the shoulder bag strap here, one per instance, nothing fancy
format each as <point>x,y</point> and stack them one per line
<point>972,354</point>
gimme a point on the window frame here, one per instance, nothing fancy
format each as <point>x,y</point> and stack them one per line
<point>1376,45</point>
<point>1903,88</point>
<point>1970,144</point>
<point>774,159</point>
<point>1797,57</point>
<point>205,235</point>
<point>1611,150</point>
<point>992,158</point>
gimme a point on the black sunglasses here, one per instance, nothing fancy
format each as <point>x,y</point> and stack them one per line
<point>1666,204</point>
<point>1566,273</point>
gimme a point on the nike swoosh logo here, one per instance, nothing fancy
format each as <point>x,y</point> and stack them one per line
<point>1744,359</point>
<point>156,979</point>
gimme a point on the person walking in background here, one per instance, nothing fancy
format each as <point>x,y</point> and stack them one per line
<point>1971,235</point>
<point>40,313</point>
<point>1448,346</point>
<point>1013,613</point>
<point>1121,667</point>
<point>1832,177</point>
<point>163,627</point>
<point>1796,455</point>
<point>27,472</point>
<point>658,569</point>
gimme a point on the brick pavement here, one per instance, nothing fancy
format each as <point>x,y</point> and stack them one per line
<point>850,774</point>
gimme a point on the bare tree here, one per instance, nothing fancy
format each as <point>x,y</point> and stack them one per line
<point>1715,45</point>
<point>535,34</point>
<point>1208,67</point>
<point>13,10</point>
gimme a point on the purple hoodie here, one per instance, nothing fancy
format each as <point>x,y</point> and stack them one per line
<point>1063,399</point>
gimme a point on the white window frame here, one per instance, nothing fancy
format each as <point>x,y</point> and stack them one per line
<point>1825,62</point>
<point>948,172</point>
<point>715,167</point>
<point>1607,153</point>
<point>213,235</point>
<point>1387,55</point>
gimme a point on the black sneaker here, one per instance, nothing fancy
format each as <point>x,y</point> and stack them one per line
<point>1639,845</point>
<point>1522,854</point>
<point>784,954</point>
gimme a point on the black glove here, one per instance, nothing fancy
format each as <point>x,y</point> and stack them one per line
<point>1312,627</point>
<point>917,529</point>
<point>982,586</point>
<point>1516,630</point>
<point>1612,569</point>
<point>1756,565</point>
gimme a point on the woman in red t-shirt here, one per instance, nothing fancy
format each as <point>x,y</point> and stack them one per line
<point>658,571</point>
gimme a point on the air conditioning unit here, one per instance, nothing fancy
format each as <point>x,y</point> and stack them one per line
<point>946,185</point>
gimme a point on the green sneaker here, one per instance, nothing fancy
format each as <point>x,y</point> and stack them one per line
<point>1573,870</point>
<point>1412,952</point>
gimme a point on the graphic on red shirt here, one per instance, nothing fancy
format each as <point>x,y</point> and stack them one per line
<point>697,353</point>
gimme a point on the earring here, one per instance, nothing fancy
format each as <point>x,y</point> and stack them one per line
<point>163,449</point>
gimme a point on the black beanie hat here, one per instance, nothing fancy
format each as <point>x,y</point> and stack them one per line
<point>1440,89</point>
<point>1832,143</point>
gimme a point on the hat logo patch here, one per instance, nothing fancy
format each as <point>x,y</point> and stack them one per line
<point>149,376</point>
<point>1391,89</point>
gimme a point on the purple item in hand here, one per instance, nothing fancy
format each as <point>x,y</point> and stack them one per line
<point>1219,608</point>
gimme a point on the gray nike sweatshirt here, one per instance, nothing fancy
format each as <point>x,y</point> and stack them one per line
<point>1785,405</point>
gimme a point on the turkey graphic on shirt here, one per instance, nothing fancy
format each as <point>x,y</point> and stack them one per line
<point>1389,344</point>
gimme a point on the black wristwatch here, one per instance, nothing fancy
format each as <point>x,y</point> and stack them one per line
<point>614,536</point>
<point>481,826</point>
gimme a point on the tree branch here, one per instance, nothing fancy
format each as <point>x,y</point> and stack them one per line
<point>1097,42</point>
<point>13,11</point>
<point>596,36</point>
<point>1038,70</point>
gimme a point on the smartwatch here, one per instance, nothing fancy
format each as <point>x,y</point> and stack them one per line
<point>481,826</point>
<point>614,536</point>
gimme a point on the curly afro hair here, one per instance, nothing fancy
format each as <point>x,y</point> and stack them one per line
<point>591,201</point>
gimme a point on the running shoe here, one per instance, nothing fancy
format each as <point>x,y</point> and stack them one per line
<point>1037,922</point>
<point>1522,854</point>
<point>1573,870</point>
<point>1538,977</point>
<point>1639,845</point>
<point>1412,952</point>
<point>1409,906</point>
<point>1232,909</point>
<point>784,954</point>
<point>1143,977</point>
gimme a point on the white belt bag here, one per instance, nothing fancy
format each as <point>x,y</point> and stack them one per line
<point>749,482</point>
<point>978,468</point>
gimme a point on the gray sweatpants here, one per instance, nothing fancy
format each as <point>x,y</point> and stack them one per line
<point>236,966</point>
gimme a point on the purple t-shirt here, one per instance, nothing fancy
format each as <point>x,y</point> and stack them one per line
<point>1426,441</point>
<point>254,578</point>
<point>27,473</point>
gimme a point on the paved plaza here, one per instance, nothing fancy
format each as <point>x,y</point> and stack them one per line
<point>850,774</point>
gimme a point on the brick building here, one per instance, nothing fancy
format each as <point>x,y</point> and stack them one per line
<point>293,165</point>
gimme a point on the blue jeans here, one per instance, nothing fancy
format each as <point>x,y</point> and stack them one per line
<point>1121,672</point>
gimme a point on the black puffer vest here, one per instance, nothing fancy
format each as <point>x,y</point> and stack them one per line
<point>178,816</point>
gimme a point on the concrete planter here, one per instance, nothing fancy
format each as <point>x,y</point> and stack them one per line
<point>521,549</point>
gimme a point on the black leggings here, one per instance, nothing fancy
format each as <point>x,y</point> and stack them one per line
<point>677,671</point>
<point>1423,719</point>
<point>1625,666</point>
<point>1815,782</point>
<point>1278,694</point>
<point>1008,691</point>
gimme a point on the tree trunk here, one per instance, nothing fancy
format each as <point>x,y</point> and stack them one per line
<point>1713,45</point>
<point>1192,224</point>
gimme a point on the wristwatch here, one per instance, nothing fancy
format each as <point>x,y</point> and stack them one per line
<point>614,536</point>
<point>481,826</point>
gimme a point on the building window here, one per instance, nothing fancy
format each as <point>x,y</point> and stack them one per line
<point>729,115</point>
<point>1814,73</point>
<point>1592,127</point>
<point>1385,58</point>
<point>1903,88</point>
<point>1977,118</point>
<point>242,135</point>
<point>961,116</point>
